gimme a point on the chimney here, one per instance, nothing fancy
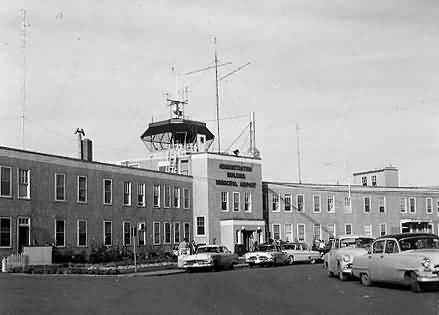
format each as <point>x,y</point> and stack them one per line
<point>87,150</point>
<point>252,150</point>
<point>80,132</point>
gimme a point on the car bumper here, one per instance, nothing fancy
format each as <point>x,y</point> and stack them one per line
<point>347,269</point>
<point>198,265</point>
<point>258,261</point>
<point>427,277</point>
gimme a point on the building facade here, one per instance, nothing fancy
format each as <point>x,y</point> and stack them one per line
<point>80,205</point>
<point>306,212</point>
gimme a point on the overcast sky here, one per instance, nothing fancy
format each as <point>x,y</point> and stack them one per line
<point>361,78</point>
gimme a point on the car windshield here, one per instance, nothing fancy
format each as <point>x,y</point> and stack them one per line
<point>210,249</point>
<point>419,242</point>
<point>359,242</point>
<point>289,246</point>
<point>267,248</point>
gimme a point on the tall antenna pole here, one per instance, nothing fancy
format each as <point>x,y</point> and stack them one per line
<point>298,155</point>
<point>217,97</point>
<point>25,25</point>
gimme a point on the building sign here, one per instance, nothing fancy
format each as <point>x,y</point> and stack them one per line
<point>237,174</point>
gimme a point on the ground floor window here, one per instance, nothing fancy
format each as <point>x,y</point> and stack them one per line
<point>276,231</point>
<point>5,232</point>
<point>301,232</point>
<point>348,229</point>
<point>156,232</point>
<point>167,232</point>
<point>126,233</point>
<point>142,233</point>
<point>288,232</point>
<point>176,232</point>
<point>201,230</point>
<point>368,229</point>
<point>82,233</point>
<point>317,231</point>
<point>60,230</point>
<point>383,229</point>
<point>187,232</point>
<point>108,231</point>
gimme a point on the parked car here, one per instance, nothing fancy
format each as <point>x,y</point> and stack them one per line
<point>267,254</point>
<point>408,258</point>
<point>299,252</point>
<point>212,257</point>
<point>338,261</point>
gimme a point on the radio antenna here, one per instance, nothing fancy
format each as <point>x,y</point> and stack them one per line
<point>25,25</point>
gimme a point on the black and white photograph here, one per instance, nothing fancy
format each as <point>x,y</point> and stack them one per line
<point>219,157</point>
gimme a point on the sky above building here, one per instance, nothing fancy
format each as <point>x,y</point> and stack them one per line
<point>360,78</point>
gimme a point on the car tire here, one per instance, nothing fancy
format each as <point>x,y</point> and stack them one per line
<point>341,275</point>
<point>291,260</point>
<point>312,261</point>
<point>365,280</point>
<point>415,286</point>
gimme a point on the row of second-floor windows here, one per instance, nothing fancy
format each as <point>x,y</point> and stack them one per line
<point>239,201</point>
<point>23,182</point>
<point>407,204</point>
<point>174,196</point>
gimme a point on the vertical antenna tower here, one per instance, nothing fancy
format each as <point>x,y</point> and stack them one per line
<point>25,25</point>
<point>217,97</point>
<point>298,155</point>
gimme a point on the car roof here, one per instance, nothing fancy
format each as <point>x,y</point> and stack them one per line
<point>404,235</point>
<point>209,246</point>
<point>354,236</point>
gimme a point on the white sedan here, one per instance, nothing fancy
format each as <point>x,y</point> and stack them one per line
<point>298,252</point>
<point>211,257</point>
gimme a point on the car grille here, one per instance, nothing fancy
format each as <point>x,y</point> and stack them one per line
<point>252,258</point>
<point>193,262</point>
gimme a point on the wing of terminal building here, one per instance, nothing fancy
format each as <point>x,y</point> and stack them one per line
<point>182,189</point>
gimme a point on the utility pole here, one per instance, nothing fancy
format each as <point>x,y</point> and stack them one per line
<point>217,97</point>
<point>25,25</point>
<point>298,154</point>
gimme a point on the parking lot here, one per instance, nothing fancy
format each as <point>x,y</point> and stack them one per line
<point>296,289</point>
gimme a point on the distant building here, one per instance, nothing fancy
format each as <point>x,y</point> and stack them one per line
<point>375,205</point>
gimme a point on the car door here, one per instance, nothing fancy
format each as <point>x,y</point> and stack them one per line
<point>375,260</point>
<point>389,270</point>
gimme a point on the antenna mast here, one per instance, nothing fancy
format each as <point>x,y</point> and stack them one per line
<point>25,25</point>
<point>217,97</point>
<point>298,154</point>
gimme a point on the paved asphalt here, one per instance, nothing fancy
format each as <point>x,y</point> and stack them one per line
<point>297,289</point>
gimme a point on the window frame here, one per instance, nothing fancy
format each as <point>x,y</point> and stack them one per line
<point>78,189</point>
<point>290,233</point>
<point>165,224</point>
<point>383,199</point>
<point>370,227</point>
<point>345,229</point>
<point>141,203</point>
<point>332,210</point>
<point>247,201</point>
<point>236,193</point>
<point>111,191</point>
<point>373,180</point>
<point>319,210</point>
<point>188,199</point>
<point>10,182</point>
<point>275,202</point>
<point>409,205</point>
<point>10,231</point>
<point>77,233</point>
<point>426,205</point>
<point>154,203</point>
<point>320,230</point>
<point>204,225</point>
<point>298,232</point>
<point>288,196</point>
<point>369,204</point>
<point>111,232</point>
<point>176,200</point>
<point>154,224</point>
<point>364,181</point>
<point>139,230</point>
<point>187,224</point>
<point>303,202</point>
<point>226,193</point>
<point>129,194</point>
<point>167,197</point>
<point>175,232</point>
<point>27,172</point>
<point>63,186</point>
<point>385,229</point>
<point>405,204</point>
<point>280,230</point>
<point>64,233</point>
<point>124,232</point>
<point>334,230</point>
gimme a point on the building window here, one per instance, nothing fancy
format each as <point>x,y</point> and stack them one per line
<point>156,196</point>
<point>403,205</point>
<point>317,231</point>
<point>347,204</point>
<point>60,187</point>
<point>348,229</point>
<point>176,232</point>
<point>247,201</point>
<point>82,188</point>
<point>201,231</point>
<point>437,207</point>
<point>5,232</point>
<point>381,204</point>
<point>316,203</point>
<point>156,232</point>
<point>287,199</point>
<point>374,180</point>
<point>366,204</point>
<point>368,229</point>
<point>236,201</point>
<point>331,204</point>
<point>141,200</point>
<point>288,232</point>
<point>23,183</point>
<point>168,196</point>
<point>412,204</point>
<point>142,233</point>
<point>225,201</point>
<point>126,233</point>
<point>429,205</point>
<point>430,228</point>
<point>5,181</point>
<point>108,191</point>
<point>331,230</point>
<point>383,229</point>
<point>108,233</point>
<point>364,180</point>
<point>167,232</point>
<point>82,233</point>
<point>176,197</point>
<point>276,231</point>
<point>300,203</point>
<point>127,193</point>
<point>60,233</point>
<point>301,232</point>
<point>275,202</point>
<point>187,231</point>
<point>186,198</point>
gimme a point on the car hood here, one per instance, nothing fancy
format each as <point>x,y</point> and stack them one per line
<point>202,256</point>
<point>267,254</point>
<point>432,254</point>
<point>351,251</point>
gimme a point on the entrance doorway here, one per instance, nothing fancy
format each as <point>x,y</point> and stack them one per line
<point>23,233</point>
<point>248,239</point>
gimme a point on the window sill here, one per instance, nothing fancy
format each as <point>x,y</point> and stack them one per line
<point>126,206</point>
<point>141,206</point>
<point>62,201</point>
<point>23,198</point>
<point>5,247</point>
<point>107,204</point>
<point>82,202</point>
<point>7,197</point>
